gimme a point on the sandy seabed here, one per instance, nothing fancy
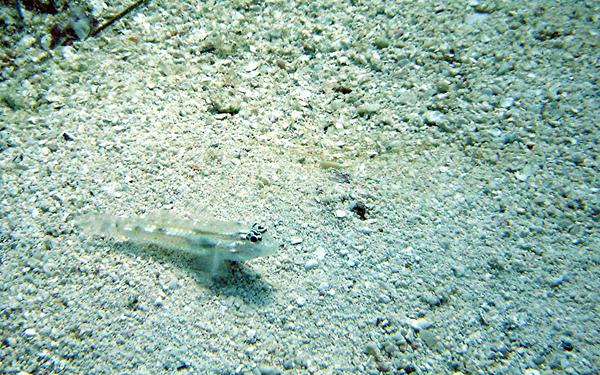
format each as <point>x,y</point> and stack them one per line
<point>429,170</point>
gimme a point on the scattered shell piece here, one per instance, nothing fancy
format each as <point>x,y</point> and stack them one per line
<point>320,253</point>
<point>340,214</point>
<point>419,324</point>
<point>252,65</point>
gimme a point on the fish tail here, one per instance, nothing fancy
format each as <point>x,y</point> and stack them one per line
<point>99,224</point>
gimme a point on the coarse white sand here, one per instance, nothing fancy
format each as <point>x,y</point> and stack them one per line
<point>429,168</point>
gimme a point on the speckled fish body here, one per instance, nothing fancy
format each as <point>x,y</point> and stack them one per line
<point>203,237</point>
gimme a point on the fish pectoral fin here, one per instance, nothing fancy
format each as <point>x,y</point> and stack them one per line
<point>216,263</point>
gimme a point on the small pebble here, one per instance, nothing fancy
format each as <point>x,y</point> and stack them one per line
<point>158,302</point>
<point>311,264</point>
<point>434,118</point>
<point>226,104</point>
<point>419,324</point>
<point>30,332</point>
<point>173,284</point>
<point>373,350</point>
<point>507,102</point>
<point>320,253</point>
<point>296,240</point>
<point>251,336</point>
<point>578,159</point>
<point>252,65</point>
<point>27,41</point>
<point>67,136</point>
<point>399,339</point>
<point>367,109</point>
<point>431,299</point>
<point>323,287</point>
<point>300,301</point>
<point>429,339</point>
<point>266,370</point>
<point>556,281</point>
<point>438,119</point>
<point>359,248</point>
<point>366,230</point>
<point>325,164</point>
<point>381,42</point>
<point>340,214</point>
<point>443,86</point>
<point>459,270</point>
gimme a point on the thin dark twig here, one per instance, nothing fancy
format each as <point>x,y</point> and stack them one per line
<point>19,10</point>
<point>117,17</point>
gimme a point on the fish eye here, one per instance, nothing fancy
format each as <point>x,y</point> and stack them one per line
<point>259,228</point>
<point>254,237</point>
